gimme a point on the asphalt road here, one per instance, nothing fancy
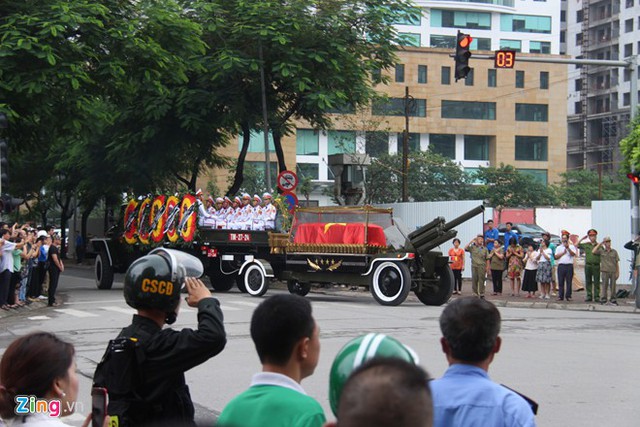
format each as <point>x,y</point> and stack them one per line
<point>581,366</point>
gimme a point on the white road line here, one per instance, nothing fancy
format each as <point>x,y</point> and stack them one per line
<point>247,303</point>
<point>39,318</point>
<point>119,309</point>
<point>95,302</point>
<point>229,308</point>
<point>75,313</point>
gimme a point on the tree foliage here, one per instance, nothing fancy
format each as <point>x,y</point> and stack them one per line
<point>431,178</point>
<point>580,187</point>
<point>630,146</point>
<point>505,186</point>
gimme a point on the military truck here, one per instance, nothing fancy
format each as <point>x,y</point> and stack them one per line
<point>362,245</point>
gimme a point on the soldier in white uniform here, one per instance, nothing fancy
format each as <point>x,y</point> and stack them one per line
<point>268,212</point>
<point>205,219</point>
<point>233,219</point>
<point>258,221</point>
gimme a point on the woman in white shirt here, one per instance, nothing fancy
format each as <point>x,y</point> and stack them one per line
<point>529,284</point>
<point>543,276</point>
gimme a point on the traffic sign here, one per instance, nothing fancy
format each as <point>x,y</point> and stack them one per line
<point>291,200</point>
<point>504,59</point>
<point>287,181</point>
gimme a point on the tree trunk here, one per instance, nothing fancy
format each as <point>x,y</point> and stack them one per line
<point>238,177</point>
<point>277,142</point>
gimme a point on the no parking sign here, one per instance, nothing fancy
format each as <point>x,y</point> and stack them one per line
<point>291,200</point>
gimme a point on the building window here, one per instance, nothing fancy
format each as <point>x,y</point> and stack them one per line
<point>532,112</point>
<point>578,107</point>
<point>256,143</point>
<point>447,42</point>
<point>563,16</point>
<point>443,144</point>
<point>460,19</point>
<point>539,175</point>
<point>422,74</point>
<point>445,75</point>
<point>544,80</point>
<point>531,148</point>
<point>377,144</point>
<point>413,141</point>
<point>579,15</point>
<point>308,170</point>
<point>563,36</point>
<point>399,73</point>
<point>396,107</point>
<point>511,44</point>
<point>476,147</point>
<point>307,142</point>
<point>376,76</point>
<point>626,75</point>
<point>520,79</point>
<point>628,4</point>
<point>260,167</point>
<point>409,39</point>
<point>539,47</point>
<point>468,81</point>
<point>481,44</point>
<point>341,141</point>
<point>468,110</point>
<point>628,49</point>
<point>492,77</point>
<point>579,39</point>
<point>578,86</point>
<point>525,23</point>
<point>626,99</point>
<point>410,18</point>
<point>628,25</point>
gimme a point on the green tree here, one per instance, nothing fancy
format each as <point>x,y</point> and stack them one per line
<point>506,186</point>
<point>431,178</point>
<point>630,146</point>
<point>580,187</point>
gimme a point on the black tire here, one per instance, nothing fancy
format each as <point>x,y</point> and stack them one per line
<point>254,280</point>
<point>390,283</point>
<point>240,284</point>
<point>103,271</point>
<point>439,290</point>
<point>222,282</point>
<point>298,288</point>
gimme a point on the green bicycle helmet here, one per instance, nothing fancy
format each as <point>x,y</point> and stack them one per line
<point>356,352</point>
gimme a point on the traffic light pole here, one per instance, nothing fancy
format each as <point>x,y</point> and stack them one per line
<point>630,63</point>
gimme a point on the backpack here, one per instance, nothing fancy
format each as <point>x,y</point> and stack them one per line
<point>120,373</point>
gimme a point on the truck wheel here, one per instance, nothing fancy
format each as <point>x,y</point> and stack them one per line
<point>254,281</point>
<point>221,282</point>
<point>439,290</point>
<point>240,284</point>
<point>390,283</point>
<point>104,272</point>
<point>298,288</point>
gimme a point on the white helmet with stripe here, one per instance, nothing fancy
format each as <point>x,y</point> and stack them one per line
<point>356,352</point>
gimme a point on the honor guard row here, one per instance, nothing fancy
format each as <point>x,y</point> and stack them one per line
<point>239,213</point>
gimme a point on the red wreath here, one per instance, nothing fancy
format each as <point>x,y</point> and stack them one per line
<point>130,222</point>
<point>158,218</point>
<point>188,217</point>
<point>172,219</point>
<point>144,221</point>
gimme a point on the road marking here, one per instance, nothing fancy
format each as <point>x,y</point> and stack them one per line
<point>247,303</point>
<point>95,302</point>
<point>119,309</point>
<point>75,313</point>
<point>229,308</point>
<point>39,318</point>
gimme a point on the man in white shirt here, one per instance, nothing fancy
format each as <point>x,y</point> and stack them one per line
<point>6,266</point>
<point>565,253</point>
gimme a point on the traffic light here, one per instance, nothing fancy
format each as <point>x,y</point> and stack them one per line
<point>463,43</point>
<point>634,177</point>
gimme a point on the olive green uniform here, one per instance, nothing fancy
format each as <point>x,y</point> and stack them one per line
<point>609,268</point>
<point>591,271</point>
<point>479,256</point>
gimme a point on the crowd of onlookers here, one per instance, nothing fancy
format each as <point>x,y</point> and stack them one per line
<point>30,265</point>
<point>537,269</point>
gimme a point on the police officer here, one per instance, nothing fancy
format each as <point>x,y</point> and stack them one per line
<point>152,390</point>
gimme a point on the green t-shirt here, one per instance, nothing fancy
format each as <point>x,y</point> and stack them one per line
<point>17,261</point>
<point>590,257</point>
<point>272,406</point>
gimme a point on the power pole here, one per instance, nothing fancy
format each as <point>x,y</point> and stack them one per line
<point>409,103</point>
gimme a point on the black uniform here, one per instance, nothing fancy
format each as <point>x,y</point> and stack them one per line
<point>166,355</point>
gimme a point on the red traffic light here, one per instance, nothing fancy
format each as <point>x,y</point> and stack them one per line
<point>634,177</point>
<point>465,41</point>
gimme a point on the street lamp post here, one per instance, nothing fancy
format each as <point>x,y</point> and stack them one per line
<point>409,104</point>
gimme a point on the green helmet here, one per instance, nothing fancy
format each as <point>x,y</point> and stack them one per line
<point>356,352</point>
<point>155,280</point>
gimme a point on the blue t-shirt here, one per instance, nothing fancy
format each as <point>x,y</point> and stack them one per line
<point>491,233</point>
<point>465,396</point>
<point>508,235</point>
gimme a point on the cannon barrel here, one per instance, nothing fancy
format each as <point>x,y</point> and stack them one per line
<point>436,242</point>
<point>427,236</point>
<point>436,222</point>
<point>464,217</point>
